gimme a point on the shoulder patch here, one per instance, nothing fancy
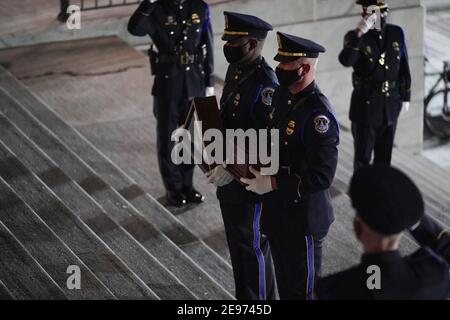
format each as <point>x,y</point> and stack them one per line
<point>321,124</point>
<point>267,95</point>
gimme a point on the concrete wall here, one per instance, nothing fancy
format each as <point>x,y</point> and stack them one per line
<point>327,21</point>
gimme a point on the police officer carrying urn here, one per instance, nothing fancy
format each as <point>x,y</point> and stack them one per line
<point>246,103</point>
<point>297,210</point>
<point>387,204</point>
<point>181,60</point>
<point>381,80</point>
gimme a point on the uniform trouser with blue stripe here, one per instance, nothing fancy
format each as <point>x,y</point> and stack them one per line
<point>297,260</point>
<point>249,251</point>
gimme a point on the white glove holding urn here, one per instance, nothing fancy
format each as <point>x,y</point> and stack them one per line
<point>367,23</point>
<point>209,91</point>
<point>219,176</point>
<point>260,184</point>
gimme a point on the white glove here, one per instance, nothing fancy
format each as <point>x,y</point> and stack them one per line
<point>405,106</point>
<point>367,23</point>
<point>260,184</point>
<point>219,176</point>
<point>209,92</point>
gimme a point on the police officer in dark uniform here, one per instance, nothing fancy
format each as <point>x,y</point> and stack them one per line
<point>388,203</point>
<point>246,103</point>
<point>297,210</point>
<point>381,80</point>
<point>182,62</point>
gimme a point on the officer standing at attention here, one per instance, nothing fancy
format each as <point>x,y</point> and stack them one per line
<point>246,103</point>
<point>388,203</point>
<point>181,59</point>
<point>381,81</point>
<point>297,210</point>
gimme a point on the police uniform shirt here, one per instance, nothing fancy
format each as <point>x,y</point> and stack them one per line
<point>247,96</point>
<point>381,77</point>
<point>246,104</point>
<point>309,135</point>
<point>178,28</point>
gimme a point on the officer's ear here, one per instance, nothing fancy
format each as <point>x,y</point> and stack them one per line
<point>305,69</point>
<point>253,44</point>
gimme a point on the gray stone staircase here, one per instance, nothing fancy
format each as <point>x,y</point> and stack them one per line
<point>63,202</point>
<point>87,212</point>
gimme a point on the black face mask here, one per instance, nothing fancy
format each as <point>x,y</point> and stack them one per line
<point>234,54</point>
<point>288,77</point>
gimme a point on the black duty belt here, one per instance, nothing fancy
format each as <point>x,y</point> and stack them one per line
<point>383,87</point>
<point>183,58</point>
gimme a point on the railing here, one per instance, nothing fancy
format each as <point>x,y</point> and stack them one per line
<point>86,5</point>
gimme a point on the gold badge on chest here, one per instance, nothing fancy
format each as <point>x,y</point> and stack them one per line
<point>195,18</point>
<point>369,50</point>
<point>237,99</point>
<point>290,127</point>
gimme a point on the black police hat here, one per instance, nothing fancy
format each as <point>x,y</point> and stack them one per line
<point>238,25</point>
<point>386,199</point>
<point>380,3</point>
<point>291,48</point>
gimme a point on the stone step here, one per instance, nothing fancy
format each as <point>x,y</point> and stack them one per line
<point>440,185</point>
<point>147,267</point>
<point>21,276</point>
<point>440,175</point>
<point>5,294</point>
<point>45,247</point>
<point>123,213</point>
<point>216,265</point>
<point>111,270</point>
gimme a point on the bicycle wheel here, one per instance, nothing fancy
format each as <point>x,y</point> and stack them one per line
<point>435,121</point>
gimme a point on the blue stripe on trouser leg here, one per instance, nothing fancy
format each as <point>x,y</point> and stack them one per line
<point>258,252</point>
<point>310,267</point>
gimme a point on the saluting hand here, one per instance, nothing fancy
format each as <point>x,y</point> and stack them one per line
<point>366,24</point>
<point>260,184</point>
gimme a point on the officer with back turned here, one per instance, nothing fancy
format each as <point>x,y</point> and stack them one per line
<point>382,82</point>
<point>246,103</point>
<point>182,62</point>
<point>387,204</point>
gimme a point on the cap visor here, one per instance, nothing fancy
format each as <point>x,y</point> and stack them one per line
<point>281,58</point>
<point>228,37</point>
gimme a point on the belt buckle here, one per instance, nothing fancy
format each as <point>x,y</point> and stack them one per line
<point>184,58</point>
<point>385,87</point>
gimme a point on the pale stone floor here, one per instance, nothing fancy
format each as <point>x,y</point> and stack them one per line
<point>437,39</point>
